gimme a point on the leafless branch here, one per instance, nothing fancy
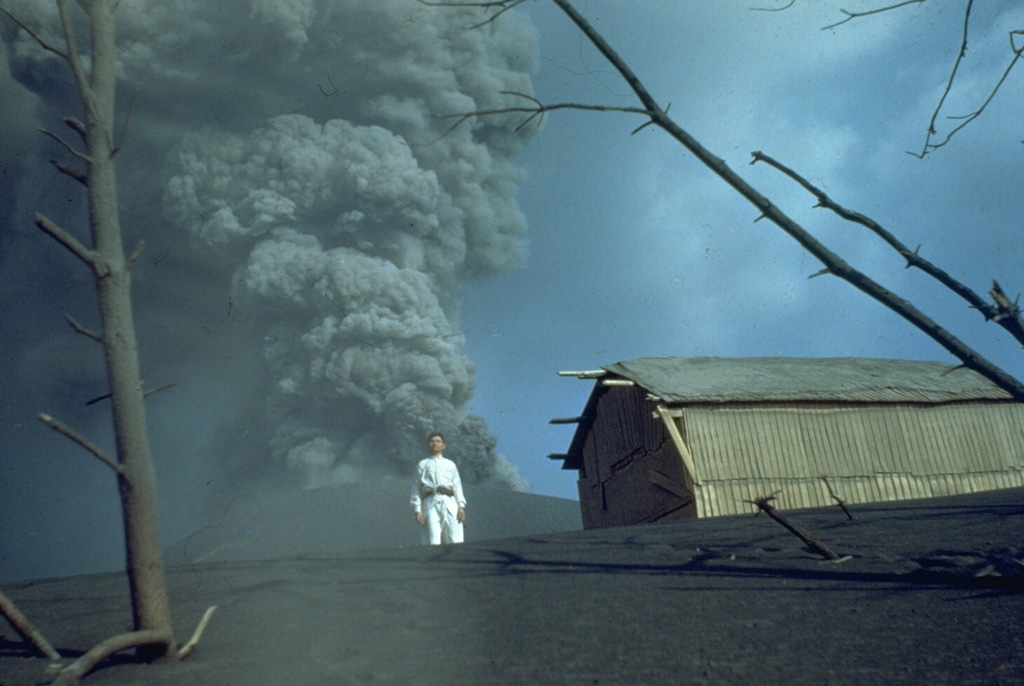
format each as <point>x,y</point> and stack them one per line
<point>25,629</point>
<point>932,132</point>
<point>82,329</point>
<point>127,124</point>
<point>968,118</point>
<point>98,398</point>
<point>949,83</point>
<point>764,505</point>
<point>70,148</point>
<point>850,16</point>
<point>79,176</point>
<point>774,9</point>
<point>839,501</point>
<point>1007,312</point>
<point>187,649</point>
<point>33,35</point>
<point>71,243</point>
<point>833,262</point>
<point>135,255</point>
<point>501,6</point>
<point>534,111</point>
<point>77,126</point>
<point>73,673</point>
<point>1005,318</point>
<point>81,440</point>
<point>73,58</point>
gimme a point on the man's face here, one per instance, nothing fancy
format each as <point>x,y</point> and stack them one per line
<point>436,445</point>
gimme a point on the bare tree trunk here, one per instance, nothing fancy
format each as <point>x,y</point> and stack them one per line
<point>113,287</point>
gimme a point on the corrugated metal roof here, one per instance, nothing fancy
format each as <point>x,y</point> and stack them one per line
<point>780,379</point>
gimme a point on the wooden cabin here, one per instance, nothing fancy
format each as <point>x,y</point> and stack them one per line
<point>667,437</point>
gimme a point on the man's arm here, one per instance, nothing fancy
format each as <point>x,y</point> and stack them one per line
<point>460,497</point>
<point>414,498</point>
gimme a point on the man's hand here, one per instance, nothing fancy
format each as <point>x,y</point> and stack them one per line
<point>419,518</point>
<point>461,514</point>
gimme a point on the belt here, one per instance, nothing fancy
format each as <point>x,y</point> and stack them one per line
<point>442,490</point>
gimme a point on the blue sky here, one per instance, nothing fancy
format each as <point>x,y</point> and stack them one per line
<point>632,248</point>
<point>637,250</point>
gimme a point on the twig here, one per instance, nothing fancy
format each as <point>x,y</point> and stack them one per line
<point>73,58</point>
<point>764,505</point>
<point>187,649</point>
<point>78,127</point>
<point>73,673</point>
<point>79,176</point>
<point>77,326</point>
<point>70,148</point>
<point>774,9</point>
<point>967,119</point>
<point>1005,318</point>
<point>144,395</point>
<point>135,255</point>
<point>850,16</point>
<point>81,440</point>
<point>504,5</point>
<point>25,629</point>
<point>534,111</point>
<point>76,248</point>
<point>952,77</point>
<point>1007,313</point>
<point>127,124</point>
<point>33,35</point>
<point>839,501</point>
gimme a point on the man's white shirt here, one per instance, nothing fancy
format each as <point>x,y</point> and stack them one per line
<point>432,472</point>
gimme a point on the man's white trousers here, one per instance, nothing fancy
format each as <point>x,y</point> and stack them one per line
<point>442,524</point>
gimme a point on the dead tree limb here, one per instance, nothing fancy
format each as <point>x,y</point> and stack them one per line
<point>1002,313</point>
<point>850,16</point>
<point>1007,313</point>
<point>81,440</point>
<point>839,501</point>
<point>834,264</point>
<point>968,118</point>
<point>77,175</point>
<point>499,7</point>
<point>80,328</point>
<point>25,629</point>
<point>764,505</point>
<point>187,649</point>
<point>33,35</point>
<point>105,396</point>
<point>73,245</point>
<point>932,131</point>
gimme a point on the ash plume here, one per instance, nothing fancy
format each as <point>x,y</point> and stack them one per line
<point>288,156</point>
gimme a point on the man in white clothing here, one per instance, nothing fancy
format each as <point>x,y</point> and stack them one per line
<point>437,497</point>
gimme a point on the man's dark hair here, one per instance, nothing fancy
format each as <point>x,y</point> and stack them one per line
<point>438,434</point>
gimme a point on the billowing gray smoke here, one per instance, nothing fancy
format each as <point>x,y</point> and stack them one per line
<point>296,146</point>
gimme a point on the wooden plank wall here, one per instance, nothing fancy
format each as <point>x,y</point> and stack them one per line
<point>631,471</point>
<point>869,453</point>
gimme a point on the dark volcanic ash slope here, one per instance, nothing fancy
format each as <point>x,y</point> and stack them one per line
<point>326,521</point>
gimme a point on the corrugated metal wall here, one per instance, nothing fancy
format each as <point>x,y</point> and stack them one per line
<point>869,453</point>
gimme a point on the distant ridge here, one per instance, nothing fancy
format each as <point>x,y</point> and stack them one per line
<point>334,519</point>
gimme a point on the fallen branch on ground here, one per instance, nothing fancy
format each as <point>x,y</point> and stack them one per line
<point>25,629</point>
<point>73,673</point>
<point>764,505</point>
